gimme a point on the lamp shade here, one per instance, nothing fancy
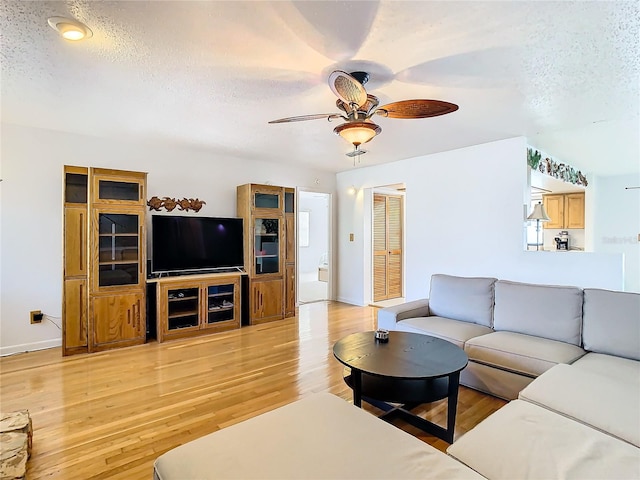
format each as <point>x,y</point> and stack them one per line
<point>539,213</point>
<point>357,133</point>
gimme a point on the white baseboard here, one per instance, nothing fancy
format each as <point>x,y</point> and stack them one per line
<point>30,347</point>
<point>350,301</point>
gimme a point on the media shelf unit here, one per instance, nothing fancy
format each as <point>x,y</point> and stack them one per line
<point>198,304</point>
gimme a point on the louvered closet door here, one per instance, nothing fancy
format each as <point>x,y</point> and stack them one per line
<point>387,246</point>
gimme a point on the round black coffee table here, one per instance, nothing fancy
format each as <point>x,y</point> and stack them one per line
<point>410,369</point>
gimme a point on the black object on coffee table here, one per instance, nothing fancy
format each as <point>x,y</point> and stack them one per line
<point>410,369</point>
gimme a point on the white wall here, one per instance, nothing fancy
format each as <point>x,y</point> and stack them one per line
<point>617,223</point>
<point>318,207</point>
<point>464,216</point>
<point>31,209</point>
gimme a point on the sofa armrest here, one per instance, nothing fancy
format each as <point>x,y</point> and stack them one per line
<point>388,317</point>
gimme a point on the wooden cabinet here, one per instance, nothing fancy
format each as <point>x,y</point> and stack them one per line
<point>104,259</point>
<point>574,210</point>
<point>268,212</point>
<point>197,304</point>
<point>117,320</point>
<point>554,206</point>
<point>75,299</point>
<point>117,187</point>
<point>290,290</point>
<point>75,311</point>
<point>289,253</point>
<point>75,244</point>
<point>565,210</point>
<point>266,300</point>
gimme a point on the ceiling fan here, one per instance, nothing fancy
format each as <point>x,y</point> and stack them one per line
<point>358,107</point>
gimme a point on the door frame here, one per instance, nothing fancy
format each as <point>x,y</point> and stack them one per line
<point>330,239</point>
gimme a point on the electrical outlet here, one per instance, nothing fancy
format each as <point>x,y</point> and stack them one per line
<point>36,316</point>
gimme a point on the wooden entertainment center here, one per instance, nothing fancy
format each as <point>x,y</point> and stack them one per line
<point>104,277</point>
<point>269,250</point>
<point>196,304</point>
<point>105,280</point>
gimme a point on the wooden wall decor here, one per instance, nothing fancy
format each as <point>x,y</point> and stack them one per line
<point>170,204</point>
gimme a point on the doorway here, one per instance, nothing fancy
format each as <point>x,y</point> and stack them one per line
<point>314,247</point>
<point>388,247</point>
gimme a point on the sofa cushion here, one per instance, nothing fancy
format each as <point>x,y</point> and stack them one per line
<point>622,369</point>
<point>467,299</point>
<point>454,331</point>
<point>594,399</point>
<point>612,322</point>
<point>519,353</point>
<point>494,381</point>
<point>552,312</point>
<point>321,437</point>
<point>525,441</point>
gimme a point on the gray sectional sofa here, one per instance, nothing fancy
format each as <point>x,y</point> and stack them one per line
<point>513,332</point>
<point>570,359</point>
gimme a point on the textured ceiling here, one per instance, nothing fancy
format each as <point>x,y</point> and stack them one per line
<point>212,74</point>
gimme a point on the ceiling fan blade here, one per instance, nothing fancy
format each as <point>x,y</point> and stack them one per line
<point>416,109</point>
<point>301,118</point>
<point>347,88</point>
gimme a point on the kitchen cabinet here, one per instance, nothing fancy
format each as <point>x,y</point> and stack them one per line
<point>565,210</point>
<point>574,210</point>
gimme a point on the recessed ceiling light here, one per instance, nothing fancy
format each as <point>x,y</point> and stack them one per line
<point>70,29</point>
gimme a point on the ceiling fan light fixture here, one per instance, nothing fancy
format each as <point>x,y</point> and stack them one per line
<point>70,29</point>
<point>357,133</point>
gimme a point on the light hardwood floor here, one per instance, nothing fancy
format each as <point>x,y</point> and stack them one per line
<point>110,414</point>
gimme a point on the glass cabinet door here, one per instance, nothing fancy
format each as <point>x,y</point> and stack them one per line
<point>266,200</point>
<point>75,187</point>
<point>183,308</point>
<point>119,261</point>
<point>267,245</point>
<point>115,190</point>
<point>289,201</point>
<point>220,303</point>
<point>267,197</point>
<point>117,187</point>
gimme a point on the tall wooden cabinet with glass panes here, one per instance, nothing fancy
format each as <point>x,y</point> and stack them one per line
<point>104,259</point>
<point>269,250</point>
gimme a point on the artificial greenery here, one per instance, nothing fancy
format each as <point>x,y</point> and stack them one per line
<point>557,170</point>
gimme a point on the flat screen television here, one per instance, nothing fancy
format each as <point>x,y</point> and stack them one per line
<point>192,244</point>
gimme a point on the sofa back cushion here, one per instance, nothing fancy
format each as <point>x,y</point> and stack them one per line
<point>462,298</point>
<point>546,311</point>
<point>612,323</point>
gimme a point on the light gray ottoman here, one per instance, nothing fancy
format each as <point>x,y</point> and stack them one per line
<point>321,437</point>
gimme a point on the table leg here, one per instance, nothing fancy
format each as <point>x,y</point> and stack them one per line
<point>452,405</point>
<point>356,377</point>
